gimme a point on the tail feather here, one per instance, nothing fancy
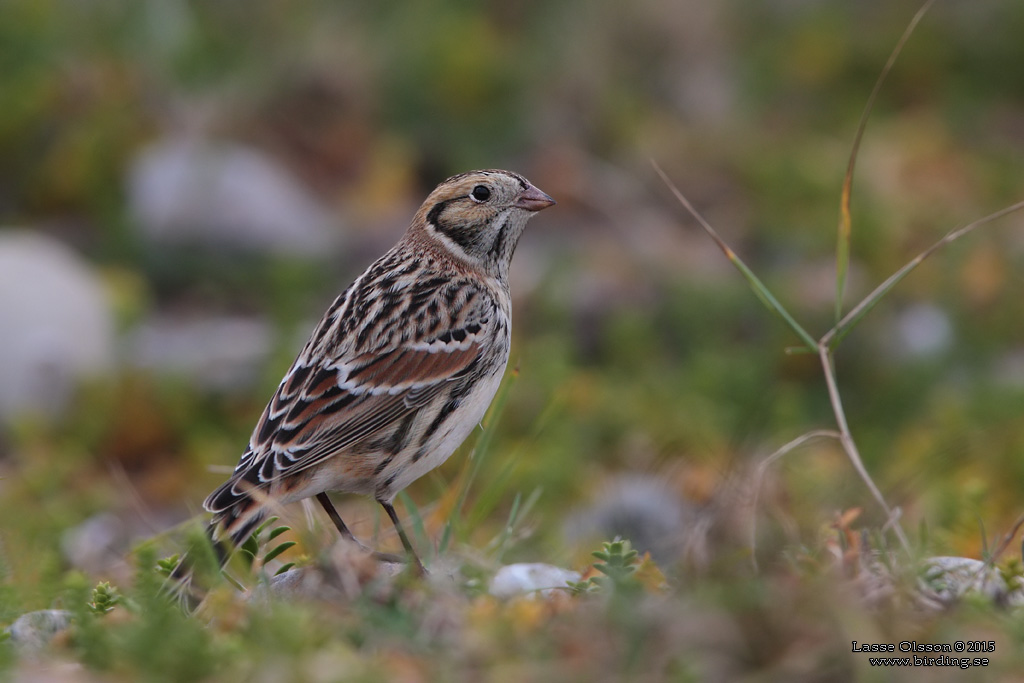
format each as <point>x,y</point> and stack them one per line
<point>239,506</point>
<point>228,529</point>
<point>233,526</point>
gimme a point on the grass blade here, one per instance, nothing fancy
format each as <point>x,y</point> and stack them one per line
<point>492,494</point>
<point>843,327</point>
<point>418,527</point>
<point>516,515</point>
<point>845,223</point>
<point>451,506</point>
<point>759,287</point>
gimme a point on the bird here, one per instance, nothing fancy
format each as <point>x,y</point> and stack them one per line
<point>400,369</point>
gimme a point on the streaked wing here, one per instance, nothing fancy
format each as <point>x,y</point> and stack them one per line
<point>320,410</point>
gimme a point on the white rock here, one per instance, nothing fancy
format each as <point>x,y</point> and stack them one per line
<point>56,323</point>
<point>950,578</point>
<point>31,632</point>
<point>924,331</point>
<point>95,544</point>
<point>215,352</point>
<point>188,191</point>
<point>530,577</point>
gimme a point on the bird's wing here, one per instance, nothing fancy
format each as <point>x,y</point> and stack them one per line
<point>322,408</point>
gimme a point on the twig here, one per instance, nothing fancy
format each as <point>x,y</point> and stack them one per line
<point>833,336</point>
<point>762,469</point>
<point>824,353</point>
<point>759,287</point>
<point>846,439</point>
<point>1007,539</point>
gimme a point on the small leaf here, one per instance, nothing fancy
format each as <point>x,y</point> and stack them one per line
<point>247,556</point>
<point>104,598</point>
<point>261,527</point>
<point>167,565</point>
<point>251,545</point>
<point>277,551</point>
<point>277,532</point>
<point>284,568</point>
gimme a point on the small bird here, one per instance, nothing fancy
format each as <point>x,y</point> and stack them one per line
<point>400,369</point>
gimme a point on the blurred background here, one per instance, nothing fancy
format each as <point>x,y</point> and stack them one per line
<point>185,186</point>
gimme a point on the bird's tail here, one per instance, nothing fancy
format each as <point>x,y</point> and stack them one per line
<point>228,529</point>
<point>238,507</point>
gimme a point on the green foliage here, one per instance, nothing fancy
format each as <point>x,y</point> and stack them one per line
<point>166,566</point>
<point>104,598</point>
<point>618,562</point>
<point>636,353</point>
<point>155,640</point>
<point>261,543</point>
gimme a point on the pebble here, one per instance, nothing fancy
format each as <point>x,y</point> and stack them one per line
<point>57,323</point>
<point>530,578</point>
<point>187,191</point>
<point>33,631</point>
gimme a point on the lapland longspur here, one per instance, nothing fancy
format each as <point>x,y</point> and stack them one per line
<point>400,369</point>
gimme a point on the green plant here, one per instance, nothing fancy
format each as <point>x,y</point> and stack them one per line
<point>823,347</point>
<point>166,566</point>
<point>258,547</point>
<point>104,598</point>
<point>618,561</point>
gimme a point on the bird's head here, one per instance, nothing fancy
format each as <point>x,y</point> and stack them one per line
<point>479,216</point>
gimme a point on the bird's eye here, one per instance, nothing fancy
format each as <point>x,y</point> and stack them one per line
<point>480,193</point>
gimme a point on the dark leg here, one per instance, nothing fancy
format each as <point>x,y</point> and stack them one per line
<point>343,529</point>
<point>328,507</point>
<point>413,557</point>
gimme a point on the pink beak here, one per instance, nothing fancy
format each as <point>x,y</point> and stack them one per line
<point>533,199</point>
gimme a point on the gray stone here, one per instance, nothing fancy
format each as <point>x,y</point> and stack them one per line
<point>33,631</point>
<point>641,509</point>
<point>530,578</point>
<point>96,544</point>
<point>215,352</point>
<point>56,321</point>
<point>218,194</point>
<point>947,579</point>
<point>924,331</point>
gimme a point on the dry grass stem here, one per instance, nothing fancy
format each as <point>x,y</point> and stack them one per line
<point>762,469</point>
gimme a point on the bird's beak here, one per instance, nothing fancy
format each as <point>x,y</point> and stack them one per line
<point>533,199</point>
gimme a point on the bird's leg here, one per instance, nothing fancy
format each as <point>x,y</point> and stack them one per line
<point>343,529</point>
<point>413,557</point>
<point>329,508</point>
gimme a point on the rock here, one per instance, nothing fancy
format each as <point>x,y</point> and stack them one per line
<point>924,331</point>
<point>338,577</point>
<point>95,544</point>
<point>218,194</point>
<point>33,631</point>
<point>947,579</point>
<point>942,582</point>
<point>530,578</point>
<point>56,321</point>
<point>642,509</point>
<point>215,352</point>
